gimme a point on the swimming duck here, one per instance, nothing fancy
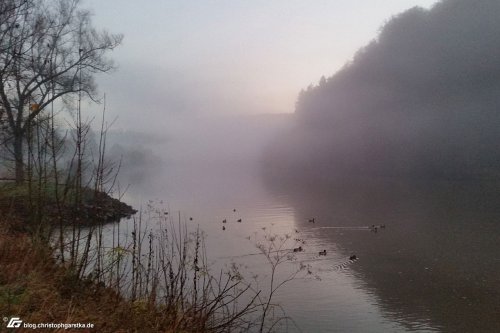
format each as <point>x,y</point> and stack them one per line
<point>312,220</point>
<point>353,257</point>
<point>298,249</point>
<point>322,253</point>
<point>239,220</point>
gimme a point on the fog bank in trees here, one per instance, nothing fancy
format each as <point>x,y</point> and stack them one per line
<point>422,100</point>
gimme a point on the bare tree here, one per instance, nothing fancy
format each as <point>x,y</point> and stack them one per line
<point>48,50</point>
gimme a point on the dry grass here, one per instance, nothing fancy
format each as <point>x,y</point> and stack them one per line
<point>168,287</point>
<point>35,288</point>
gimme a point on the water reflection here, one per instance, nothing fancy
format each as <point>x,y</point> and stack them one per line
<point>435,267</point>
<point>436,264</point>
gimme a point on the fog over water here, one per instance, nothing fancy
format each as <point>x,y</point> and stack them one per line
<point>433,268</point>
<point>406,135</point>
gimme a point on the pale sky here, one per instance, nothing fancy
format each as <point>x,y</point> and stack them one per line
<point>229,56</point>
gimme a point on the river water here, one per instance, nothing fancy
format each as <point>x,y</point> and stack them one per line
<point>435,267</point>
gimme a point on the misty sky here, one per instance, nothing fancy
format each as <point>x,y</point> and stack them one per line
<point>229,56</point>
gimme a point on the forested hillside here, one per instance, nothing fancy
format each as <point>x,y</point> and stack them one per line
<point>422,100</point>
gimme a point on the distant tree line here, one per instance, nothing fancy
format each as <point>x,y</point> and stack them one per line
<point>420,100</point>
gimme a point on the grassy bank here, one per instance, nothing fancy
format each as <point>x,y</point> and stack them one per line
<point>151,281</point>
<point>36,288</point>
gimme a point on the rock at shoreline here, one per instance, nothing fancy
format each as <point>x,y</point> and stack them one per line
<point>95,207</point>
<point>101,207</point>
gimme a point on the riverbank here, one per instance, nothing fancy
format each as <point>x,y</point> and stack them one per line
<point>36,288</point>
<point>90,208</point>
<point>51,276</point>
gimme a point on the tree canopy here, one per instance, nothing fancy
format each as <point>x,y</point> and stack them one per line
<point>421,100</point>
<point>48,50</point>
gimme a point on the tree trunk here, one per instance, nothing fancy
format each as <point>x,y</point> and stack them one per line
<point>18,157</point>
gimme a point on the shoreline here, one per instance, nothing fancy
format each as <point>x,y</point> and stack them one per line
<point>93,207</point>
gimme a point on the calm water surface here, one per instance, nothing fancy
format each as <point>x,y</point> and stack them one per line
<point>434,268</point>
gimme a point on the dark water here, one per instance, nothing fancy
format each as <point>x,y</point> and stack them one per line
<point>436,265</point>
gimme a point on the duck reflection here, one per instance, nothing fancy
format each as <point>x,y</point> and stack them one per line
<point>430,264</point>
